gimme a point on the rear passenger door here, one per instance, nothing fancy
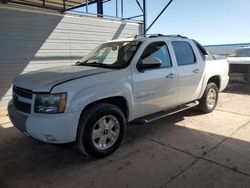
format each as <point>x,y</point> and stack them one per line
<point>189,71</point>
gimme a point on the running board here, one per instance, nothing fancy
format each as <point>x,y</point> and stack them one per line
<point>158,115</point>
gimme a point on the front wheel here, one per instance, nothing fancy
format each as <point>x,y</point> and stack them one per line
<point>209,99</point>
<point>101,129</point>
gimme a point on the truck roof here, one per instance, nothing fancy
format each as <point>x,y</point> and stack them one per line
<point>143,38</point>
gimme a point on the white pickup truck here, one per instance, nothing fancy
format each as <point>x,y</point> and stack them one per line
<point>239,62</point>
<point>135,80</point>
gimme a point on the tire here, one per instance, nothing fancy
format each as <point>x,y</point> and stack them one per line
<point>101,129</point>
<point>209,99</point>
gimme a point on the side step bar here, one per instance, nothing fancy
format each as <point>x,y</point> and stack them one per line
<point>158,115</point>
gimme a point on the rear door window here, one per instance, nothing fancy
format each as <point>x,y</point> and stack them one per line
<point>183,52</point>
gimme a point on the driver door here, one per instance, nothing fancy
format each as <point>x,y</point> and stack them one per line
<point>155,89</point>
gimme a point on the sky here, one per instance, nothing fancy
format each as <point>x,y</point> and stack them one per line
<point>208,21</point>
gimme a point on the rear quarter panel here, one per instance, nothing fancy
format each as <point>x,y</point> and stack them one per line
<point>216,68</point>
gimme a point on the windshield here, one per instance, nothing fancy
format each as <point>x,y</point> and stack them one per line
<point>111,55</point>
<point>242,52</point>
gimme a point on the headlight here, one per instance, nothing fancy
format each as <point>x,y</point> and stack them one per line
<point>50,103</point>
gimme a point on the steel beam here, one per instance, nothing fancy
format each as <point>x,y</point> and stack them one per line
<point>87,6</point>
<point>116,8</point>
<point>79,6</point>
<point>122,9</point>
<point>144,17</point>
<point>158,16</point>
<point>133,17</point>
<point>138,3</point>
<point>99,6</point>
<point>64,5</point>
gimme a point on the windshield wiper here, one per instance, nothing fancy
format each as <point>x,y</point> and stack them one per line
<point>78,63</point>
<point>84,62</point>
<point>94,64</point>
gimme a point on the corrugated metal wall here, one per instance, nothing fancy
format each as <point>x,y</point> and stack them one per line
<point>31,40</point>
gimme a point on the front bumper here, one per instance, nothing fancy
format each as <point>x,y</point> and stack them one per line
<point>18,119</point>
<point>51,128</point>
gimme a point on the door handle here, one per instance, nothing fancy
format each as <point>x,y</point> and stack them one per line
<point>196,71</point>
<point>170,75</point>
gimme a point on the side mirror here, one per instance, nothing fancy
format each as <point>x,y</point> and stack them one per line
<point>149,63</point>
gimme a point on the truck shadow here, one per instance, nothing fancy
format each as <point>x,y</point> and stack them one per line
<point>238,88</point>
<point>29,163</point>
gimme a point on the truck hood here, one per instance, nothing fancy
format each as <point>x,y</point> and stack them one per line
<point>43,80</point>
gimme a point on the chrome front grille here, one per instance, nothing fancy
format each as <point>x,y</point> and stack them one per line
<point>22,92</point>
<point>18,94</point>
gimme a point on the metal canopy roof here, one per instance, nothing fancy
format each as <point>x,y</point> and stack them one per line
<point>68,5</point>
<point>59,5</point>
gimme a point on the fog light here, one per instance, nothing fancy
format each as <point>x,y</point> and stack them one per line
<point>50,138</point>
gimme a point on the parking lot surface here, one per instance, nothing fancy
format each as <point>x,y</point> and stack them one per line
<point>187,149</point>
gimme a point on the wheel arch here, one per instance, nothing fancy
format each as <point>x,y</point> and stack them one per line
<point>85,126</point>
<point>118,101</point>
<point>215,79</point>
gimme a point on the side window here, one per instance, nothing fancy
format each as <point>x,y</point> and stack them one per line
<point>201,50</point>
<point>183,52</point>
<point>159,50</point>
<point>206,56</point>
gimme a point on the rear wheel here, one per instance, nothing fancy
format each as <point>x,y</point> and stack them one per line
<point>209,99</point>
<point>101,130</point>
